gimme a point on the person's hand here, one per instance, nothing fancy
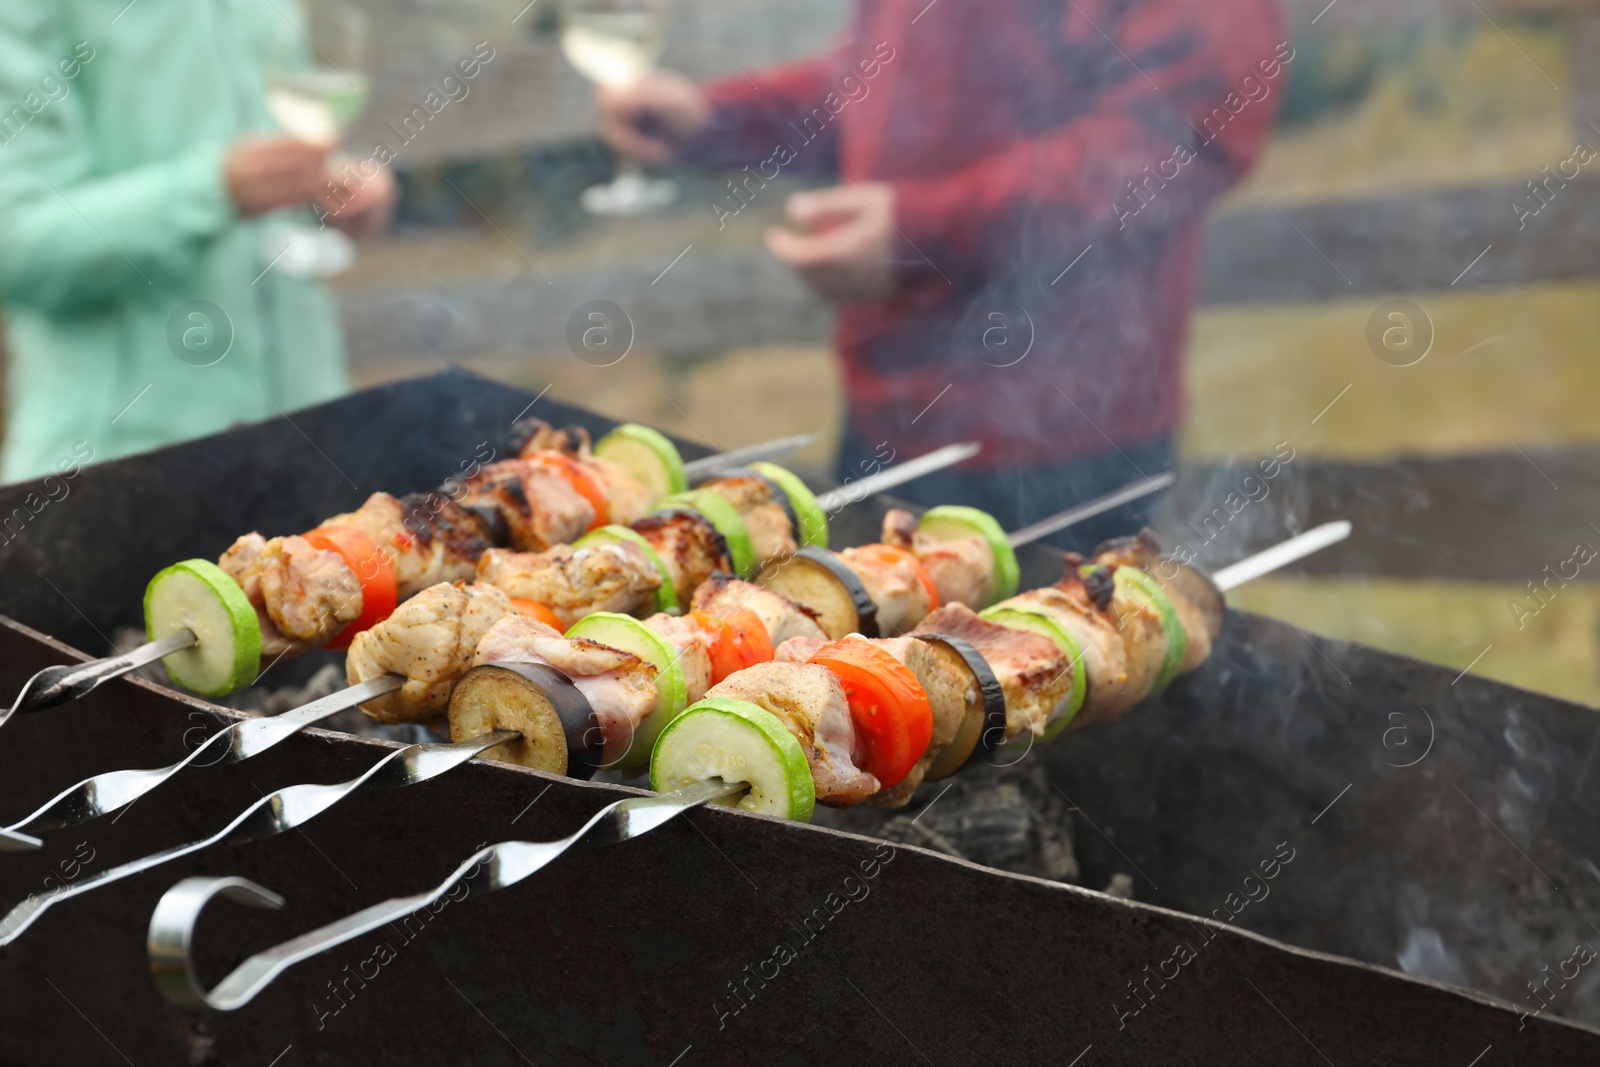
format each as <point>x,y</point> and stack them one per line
<point>845,249</point>
<point>358,205</point>
<point>263,174</point>
<point>650,118</point>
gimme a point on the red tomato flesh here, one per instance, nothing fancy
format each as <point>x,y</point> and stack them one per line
<point>887,703</point>
<point>364,556</point>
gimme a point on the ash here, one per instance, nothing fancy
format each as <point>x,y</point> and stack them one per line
<point>1008,818</point>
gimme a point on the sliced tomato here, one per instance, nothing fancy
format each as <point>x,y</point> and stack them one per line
<point>890,556</point>
<point>738,640</point>
<point>889,706</point>
<point>370,562</point>
<point>587,485</point>
<point>533,609</point>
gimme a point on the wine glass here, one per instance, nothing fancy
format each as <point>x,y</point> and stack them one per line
<point>317,85</point>
<point>614,43</point>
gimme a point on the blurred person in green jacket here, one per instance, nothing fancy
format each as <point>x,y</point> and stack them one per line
<point>140,182</point>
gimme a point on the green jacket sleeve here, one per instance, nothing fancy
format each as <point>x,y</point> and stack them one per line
<point>72,237</point>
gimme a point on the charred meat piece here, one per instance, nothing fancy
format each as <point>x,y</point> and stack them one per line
<point>530,434</point>
<point>892,581</point>
<point>540,507</point>
<point>723,594</point>
<point>419,560</point>
<point>689,545</point>
<point>771,534</point>
<point>1032,670</point>
<point>615,576</point>
<point>620,686</point>
<point>809,700</point>
<point>430,639</point>
<point>1199,603</point>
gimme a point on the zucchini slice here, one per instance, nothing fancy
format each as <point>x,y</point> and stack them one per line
<point>738,742</point>
<point>1039,623</point>
<point>727,521</point>
<point>982,729</point>
<point>560,731</point>
<point>950,522</point>
<point>810,521</point>
<point>672,691</point>
<point>666,596</point>
<point>1146,588</point>
<point>817,579</point>
<point>199,595</point>
<point>647,455</point>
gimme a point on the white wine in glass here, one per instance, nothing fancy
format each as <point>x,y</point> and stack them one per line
<point>614,43</point>
<point>316,87</point>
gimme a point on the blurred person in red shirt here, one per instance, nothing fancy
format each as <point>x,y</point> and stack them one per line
<point>1014,243</point>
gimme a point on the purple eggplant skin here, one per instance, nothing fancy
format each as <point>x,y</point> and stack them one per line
<point>866,607</point>
<point>994,697</point>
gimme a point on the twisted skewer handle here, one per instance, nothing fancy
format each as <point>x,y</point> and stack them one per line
<point>105,793</point>
<point>285,809</point>
<point>57,685</point>
<point>495,867</point>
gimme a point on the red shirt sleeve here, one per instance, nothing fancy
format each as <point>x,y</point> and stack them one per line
<point>752,113</point>
<point>1185,102</point>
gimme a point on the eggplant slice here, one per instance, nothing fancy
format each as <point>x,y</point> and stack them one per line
<point>817,579</point>
<point>981,732</point>
<point>560,731</point>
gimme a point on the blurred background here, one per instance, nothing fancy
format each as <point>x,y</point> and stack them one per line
<point>1406,132</point>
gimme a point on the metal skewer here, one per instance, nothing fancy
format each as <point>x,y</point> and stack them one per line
<point>910,470</point>
<point>735,458</point>
<point>57,685</point>
<point>286,809</point>
<point>1281,555</point>
<point>1088,510</point>
<point>496,867</point>
<point>105,793</point>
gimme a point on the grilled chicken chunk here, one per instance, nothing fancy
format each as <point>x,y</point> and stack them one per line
<point>771,534</point>
<point>961,568</point>
<point>532,434</point>
<point>620,686</point>
<point>540,507</point>
<point>627,499</point>
<point>303,596</point>
<point>1121,638</point>
<point>1199,603</point>
<point>1033,672</point>
<point>893,583</point>
<point>951,688</point>
<point>689,545</point>
<point>723,594</point>
<point>429,538</point>
<point>430,639</point>
<point>311,593</point>
<point>242,562</point>
<point>693,646</point>
<point>810,701</point>
<point>617,576</point>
